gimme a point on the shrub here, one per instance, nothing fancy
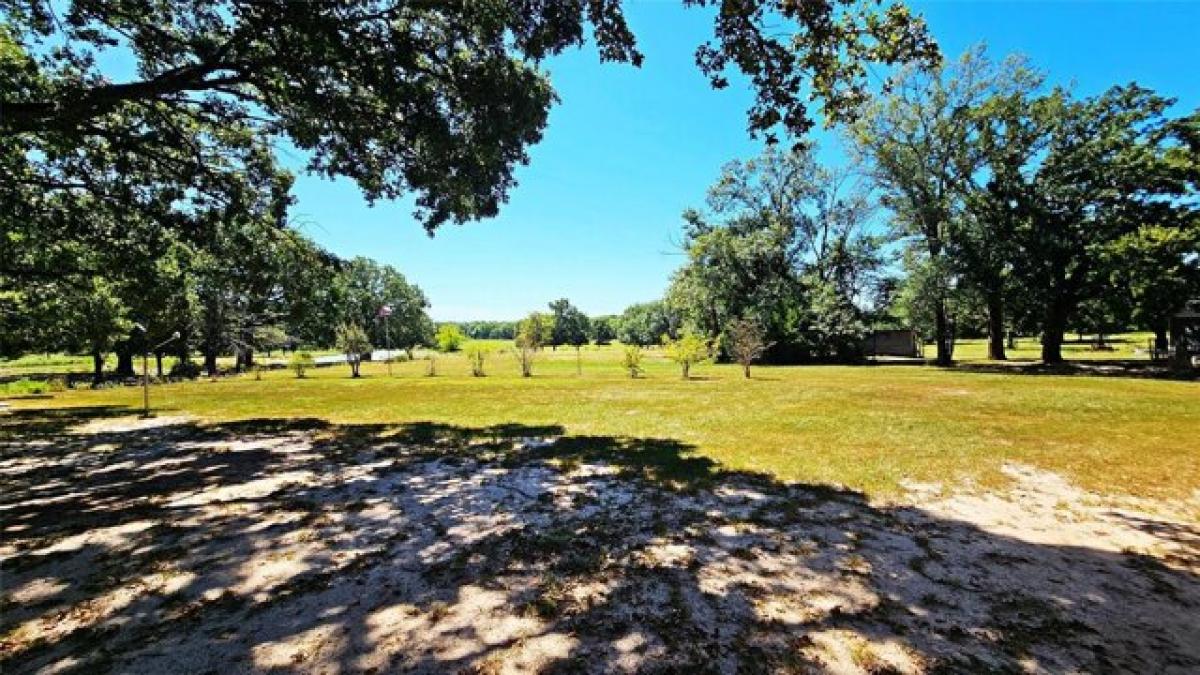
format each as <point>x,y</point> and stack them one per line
<point>688,350</point>
<point>24,387</point>
<point>476,355</point>
<point>631,361</point>
<point>301,362</point>
<point>184,370</point>
<point>449,338</point>
<point>29,387</point>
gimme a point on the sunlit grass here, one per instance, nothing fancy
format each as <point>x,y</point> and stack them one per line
<point>867,427</point>
<point>1123,346</point>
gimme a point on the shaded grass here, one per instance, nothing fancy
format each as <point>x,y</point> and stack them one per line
<point>869,428</point>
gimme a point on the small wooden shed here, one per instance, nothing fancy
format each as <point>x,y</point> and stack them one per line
<point>896,342</point>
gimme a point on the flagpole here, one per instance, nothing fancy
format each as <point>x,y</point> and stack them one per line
<point>385,313</point>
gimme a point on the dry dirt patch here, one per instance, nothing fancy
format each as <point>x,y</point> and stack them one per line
<point>300,546</point>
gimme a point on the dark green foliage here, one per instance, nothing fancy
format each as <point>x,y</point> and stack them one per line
<point>490,330</point>
<point>1114,166</point>
<point>570,326</point>
<point>441,98</point>
<point>184,370</point>
<point>1031,211</point>
<point>603,329</point>
<point>367,287</point>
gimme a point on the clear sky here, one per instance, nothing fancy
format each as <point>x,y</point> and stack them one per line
<point>595,217</point>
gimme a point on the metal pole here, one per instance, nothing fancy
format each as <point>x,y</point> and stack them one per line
<point>145,385</point>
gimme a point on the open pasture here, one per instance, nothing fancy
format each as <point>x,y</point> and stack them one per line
<point>871,428</point>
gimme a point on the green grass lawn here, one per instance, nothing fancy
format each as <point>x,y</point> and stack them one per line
<point>867,427</point>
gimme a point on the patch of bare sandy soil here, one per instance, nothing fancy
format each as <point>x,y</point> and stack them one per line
<point>298,546</point>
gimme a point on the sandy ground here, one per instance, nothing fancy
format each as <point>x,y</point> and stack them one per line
<point>172,547</point>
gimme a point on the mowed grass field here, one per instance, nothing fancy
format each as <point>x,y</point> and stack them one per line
<point>872,428</point>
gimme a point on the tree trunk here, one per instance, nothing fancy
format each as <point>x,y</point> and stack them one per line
<point>1181,360</point>
<point>1052,335</point>
<point>210,362</point>
<point>158,359</point>
<point>686,367</point>
<point>1161,343</point>
<point>746,370</point>
<point>97,368</point>
<point>1012,339</point>
<point>995,309</point>
<point>945,341</point>
<point>125,361</point>
<point>248,358</point>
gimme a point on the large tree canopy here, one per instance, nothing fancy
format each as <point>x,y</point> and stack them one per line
<point>784,243</point>
<point>437,98</point>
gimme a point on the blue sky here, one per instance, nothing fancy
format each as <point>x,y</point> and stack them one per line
<point>595,217</point>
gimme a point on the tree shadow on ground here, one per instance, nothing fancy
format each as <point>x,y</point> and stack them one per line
<point>306,546</point>
<point>1131,368</point>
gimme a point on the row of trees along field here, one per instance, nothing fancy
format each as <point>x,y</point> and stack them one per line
<point>254,287</point>
<point>981,202</point>
<point>641,324</point>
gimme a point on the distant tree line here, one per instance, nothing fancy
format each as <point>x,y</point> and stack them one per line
<point>641,324</point>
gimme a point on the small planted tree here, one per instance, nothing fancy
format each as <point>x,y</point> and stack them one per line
<point>532,333</point>
<point>746,343</point>
<point>476,355</point>
<point>353,342</point>
<point>687,350</point>
<point>301,362</point>
<point>449,338</point>
<point>631,361</point>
